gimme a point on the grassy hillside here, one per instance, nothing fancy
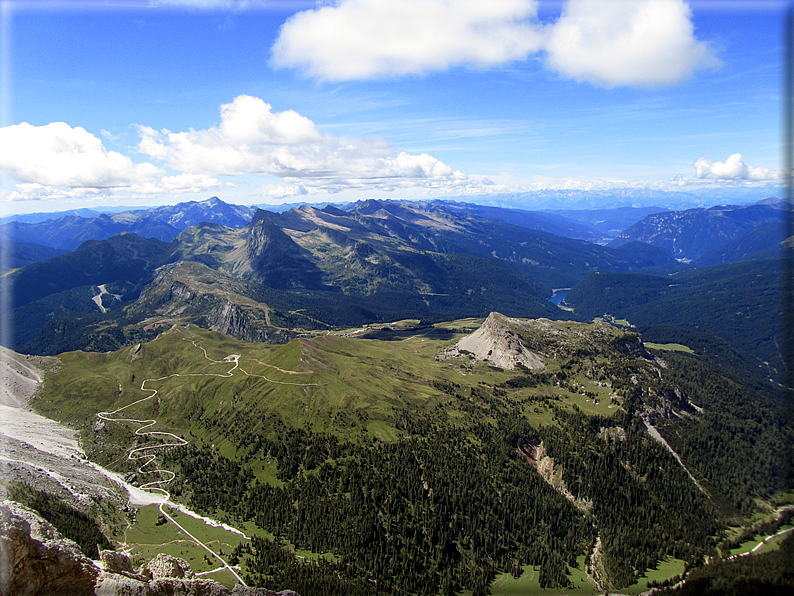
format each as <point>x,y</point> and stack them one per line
<point>424,476</point>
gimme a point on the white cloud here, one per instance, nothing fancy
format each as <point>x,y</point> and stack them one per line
<point>189,183</point>
<point>733,168</point>
<point>607,42</point>
<point>678,180</point>
<point>626,42</point>
<point>177,184</point>
<point>57,161</point>
<point>361,39</point>
<point>252,139</point>
<point>182,183</point>
<point>33,191</point>
<point>281,191</point>
<point>58,155</point>
<point>110,136</point>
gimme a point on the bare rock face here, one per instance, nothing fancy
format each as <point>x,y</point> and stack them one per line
<point>135,353</point>
<point>35,560</point>
<point>110,584</point>
<point>497,343</point>
<point>114,562</point>
<point>20,374</point>
<point>166,566</point>
<point>237,320</point>
<point>166,292</point>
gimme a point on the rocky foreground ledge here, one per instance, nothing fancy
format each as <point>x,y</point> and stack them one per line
<point>36,560</point>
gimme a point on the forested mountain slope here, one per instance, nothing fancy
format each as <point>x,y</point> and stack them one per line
<point>694,233</point>
<point>762,242</point>
<point>20,254</point>
<point>428,470</point>
<point>742,303</point>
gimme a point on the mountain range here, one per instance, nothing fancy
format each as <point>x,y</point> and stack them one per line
<point>164,223</point>
<point>280,274</point>
<point>67,230</point>
<point>384,397</point>
<point>382,260</point>
<point>713,235</point>
<point>573,199</point>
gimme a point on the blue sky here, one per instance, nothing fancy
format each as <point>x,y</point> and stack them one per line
<point>144,102</point>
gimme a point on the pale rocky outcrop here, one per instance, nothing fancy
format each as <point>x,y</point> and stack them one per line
<point>20,374</point>
<point>511,343</point>
<point>236,320</point>
<point>166,566</point>
<point>497,343</point>
<point>115,562</point>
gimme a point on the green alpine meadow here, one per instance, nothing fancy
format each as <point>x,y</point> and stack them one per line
<point>446,458</point>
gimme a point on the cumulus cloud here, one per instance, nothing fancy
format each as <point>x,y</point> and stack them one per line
<point>58,155</point>
<point>626,42</point>
<point>57,161</point>
<point>190,183</point>
<point>361,39</point>
<point>33,191</point>
<point>733,168</point>
<point>281,191</point>
<point>182,183</point>
<point>252,139</point>
<point>607,42</point>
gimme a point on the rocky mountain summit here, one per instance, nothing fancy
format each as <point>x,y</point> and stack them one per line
<point>36,560</point>
<point>497,343</point>
<point>511,343</point>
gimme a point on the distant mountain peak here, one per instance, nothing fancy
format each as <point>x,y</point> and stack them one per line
<point>331,210</point>
<point>368,206</point>
<point>772,202</point>
<point>262,216</point>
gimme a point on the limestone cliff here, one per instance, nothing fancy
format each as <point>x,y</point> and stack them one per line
<point>193,292</point>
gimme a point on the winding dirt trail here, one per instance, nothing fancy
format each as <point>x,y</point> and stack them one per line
<point>147,454</point>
